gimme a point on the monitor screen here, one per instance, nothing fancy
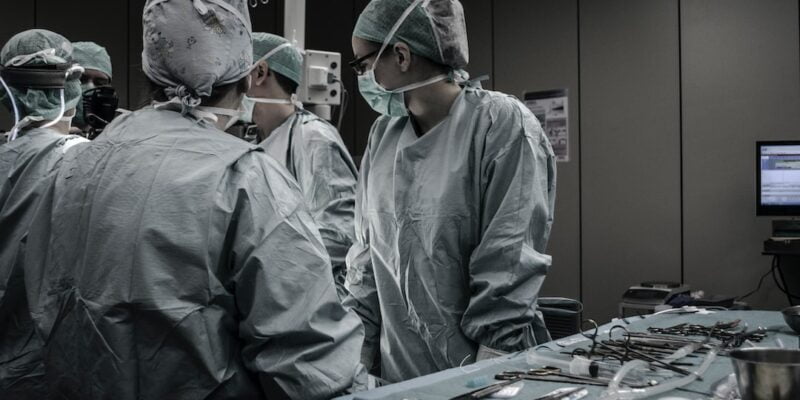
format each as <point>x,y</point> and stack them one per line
<point>778,178</point>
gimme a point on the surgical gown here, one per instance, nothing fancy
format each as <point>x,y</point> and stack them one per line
<point>182,264</point>
<point>313,152</point>
<point>451,230</point>
<point>26,165</point>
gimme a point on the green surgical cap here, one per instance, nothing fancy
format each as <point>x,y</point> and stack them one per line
<point>434,29</point>
<point>37,47</point>
<point>287,61</point>
<point>90,55</point>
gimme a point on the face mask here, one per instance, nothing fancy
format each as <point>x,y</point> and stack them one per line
<point>80,120</point>
<point>382,100</point>
<point>388,102</point>
<point>249,106</point>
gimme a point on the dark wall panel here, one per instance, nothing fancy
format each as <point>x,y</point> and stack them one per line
<point>364,116</point>
<point>268,17</point>
<point>542,54</point>
<point>138,89</point>
<point>630,148</point>
<point>17,16</point>
<point>329,27</point>
<point>741,83</point>
<point>480,25</point>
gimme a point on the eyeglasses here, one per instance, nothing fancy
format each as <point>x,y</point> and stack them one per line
<point>358,64</point>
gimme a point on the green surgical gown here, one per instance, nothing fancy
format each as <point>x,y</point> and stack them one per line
<point>451,230</point>
<point>179,262</point>
<point>313,152</point>
<point>26,166</point>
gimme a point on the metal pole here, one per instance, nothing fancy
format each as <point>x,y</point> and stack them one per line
<point>294,22</point>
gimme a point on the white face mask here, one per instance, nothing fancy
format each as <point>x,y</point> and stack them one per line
<point>249,105</point>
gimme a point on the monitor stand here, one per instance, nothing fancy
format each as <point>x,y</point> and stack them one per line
<point>786,228</point>
<point>786,252</point>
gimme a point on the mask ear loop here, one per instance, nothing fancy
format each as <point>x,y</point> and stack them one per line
<point>60,113</point>
<point>388,40</point>
<point>293,98</point>
<point>70,72</point>
<point>13,134</point>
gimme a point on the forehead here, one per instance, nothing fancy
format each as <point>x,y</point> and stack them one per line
<point>363,47</point>
<point>94,74</point>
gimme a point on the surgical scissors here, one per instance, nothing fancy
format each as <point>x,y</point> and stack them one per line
<point>488,390</point>
<point>546,372</point>
<point>565,393</point>
<point>622,356</point>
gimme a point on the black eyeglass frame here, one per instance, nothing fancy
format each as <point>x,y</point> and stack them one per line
<point>356,64</point>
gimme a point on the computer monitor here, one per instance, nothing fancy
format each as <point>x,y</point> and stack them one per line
<point>778,178</point>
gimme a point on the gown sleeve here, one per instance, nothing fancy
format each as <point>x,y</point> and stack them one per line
<point>363,291</point>
<point>297,336</point>
<point>508,266</point>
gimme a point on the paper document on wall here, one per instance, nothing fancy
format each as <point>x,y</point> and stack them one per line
<point>551,108</point>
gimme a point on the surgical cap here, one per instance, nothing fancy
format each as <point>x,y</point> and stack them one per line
<point>435,29</point>
<point>287,61</point>
<point>190,47</point>
<point>38,47</point>
<point>90,55</point>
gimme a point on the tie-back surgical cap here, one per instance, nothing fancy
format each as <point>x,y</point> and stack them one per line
<point>192,46</point>
<point>434,29</point>
<point>91,55</point>
<point>282,57</point>
<point>39,47</point>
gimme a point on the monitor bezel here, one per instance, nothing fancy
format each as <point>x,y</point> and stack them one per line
<point>772,210</point>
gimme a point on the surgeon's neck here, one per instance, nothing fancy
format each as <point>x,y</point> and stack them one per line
<point>61,127</point>
<point>430,105</point>
<point>230,101</point>
<point>269,117</point>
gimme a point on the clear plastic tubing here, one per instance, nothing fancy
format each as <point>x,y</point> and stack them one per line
<point>582,366</point>
<point>616,392</point>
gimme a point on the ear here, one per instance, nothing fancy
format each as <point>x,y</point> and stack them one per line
<point>260,73</point>
<point>402,54</point>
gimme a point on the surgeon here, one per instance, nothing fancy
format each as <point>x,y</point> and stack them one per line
<point>29,61</point>
<point>454,204</point>
<point>181,262</point>
<point>95,84</point>
<point>309,147</point>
